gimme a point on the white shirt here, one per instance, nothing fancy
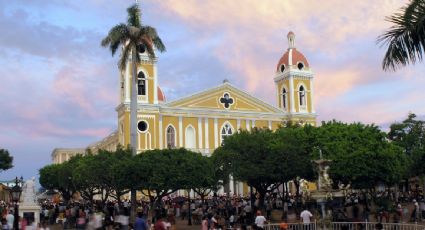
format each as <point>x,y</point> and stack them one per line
<point>10,218</point>
<point>260,221</point>
<point>306,215</point>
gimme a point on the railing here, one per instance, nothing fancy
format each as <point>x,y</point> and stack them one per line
<point>291,226</point>
<point>347,226</point>
<point>375,225</point>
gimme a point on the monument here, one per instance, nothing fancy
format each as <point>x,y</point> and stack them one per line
<point>28,207</point>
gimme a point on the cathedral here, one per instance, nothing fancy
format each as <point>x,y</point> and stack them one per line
<point>200,121</point>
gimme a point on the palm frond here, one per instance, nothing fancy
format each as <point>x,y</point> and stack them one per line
<point>134,16</point>
<point>406,38</point>
<point>116,36</point>
<point>122,62</point>
<point>151,32</point>
<point>159,44</point>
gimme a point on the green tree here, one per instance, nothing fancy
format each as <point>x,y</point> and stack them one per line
<point>59,177</point>
<point>410,136</point>
<point>133,37</point>
<point>406,37</point>
<point>167,170</point>
<point>360,154</point>
<point>5,160</point>
<point>249,157</point>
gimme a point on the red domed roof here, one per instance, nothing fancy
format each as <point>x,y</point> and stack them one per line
<point>161,95</point>
<point>292,57</point>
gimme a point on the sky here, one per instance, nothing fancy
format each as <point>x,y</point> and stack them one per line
<point>59,87</point>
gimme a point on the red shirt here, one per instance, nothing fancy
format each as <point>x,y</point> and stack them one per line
<point>159,225</point>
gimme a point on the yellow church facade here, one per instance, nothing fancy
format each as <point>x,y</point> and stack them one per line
<point>200,121</point>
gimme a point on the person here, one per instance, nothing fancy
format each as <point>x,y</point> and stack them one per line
<point>140,223</point>
<point>10,218</point>
<point>415,211</point>
<point>306,216</point>
<point>283,226</point>
<point>4,225</point>
<point>204,224</point>
<point>43,226</point>
<point>160,225</point>
<point>260,220</point>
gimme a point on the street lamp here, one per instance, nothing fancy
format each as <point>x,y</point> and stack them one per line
<point>15,194</point>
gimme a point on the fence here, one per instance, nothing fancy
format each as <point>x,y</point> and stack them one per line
<point>348,226</point>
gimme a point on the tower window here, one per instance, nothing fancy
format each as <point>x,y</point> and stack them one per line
<point>300,65</point>
<point>284,98</point>
<point>225,132</point>
<point>171,137</point>
<point>302,96</point>
<point>141,84</point>
<point>142,126</point>
<point>282,68</point>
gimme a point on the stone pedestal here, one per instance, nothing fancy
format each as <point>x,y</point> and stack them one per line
<point>31,212</point>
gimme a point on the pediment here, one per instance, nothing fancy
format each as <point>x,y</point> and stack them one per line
<point>224,97</point>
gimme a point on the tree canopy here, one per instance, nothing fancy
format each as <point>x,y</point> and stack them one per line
<point>6,161</point>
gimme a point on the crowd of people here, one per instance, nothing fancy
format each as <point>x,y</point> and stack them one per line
<point>215,212</point>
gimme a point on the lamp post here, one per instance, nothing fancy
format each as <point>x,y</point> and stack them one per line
<point>16,196</point>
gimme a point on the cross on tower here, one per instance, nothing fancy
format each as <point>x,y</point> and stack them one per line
<point>226,100</point>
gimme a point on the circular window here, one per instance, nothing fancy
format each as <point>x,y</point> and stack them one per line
<point>300,65</point>
<point>282,68</point>
<point>141,48</point>
<point>142,126</point>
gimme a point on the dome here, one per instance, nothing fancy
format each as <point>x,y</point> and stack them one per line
<point>292,57</point>
<point>161,95</point>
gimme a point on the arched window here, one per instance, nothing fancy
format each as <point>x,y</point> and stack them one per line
<point>226,131</point>
<point>302,96</point>
<point>141,84</point>
<point>171,137</point>
<point>284,98</point>
<point>190,139</point>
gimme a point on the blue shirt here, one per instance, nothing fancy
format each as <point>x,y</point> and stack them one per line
<point>140,224</point>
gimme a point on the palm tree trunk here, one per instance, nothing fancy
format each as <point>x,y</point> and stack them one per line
<point>133,127</point>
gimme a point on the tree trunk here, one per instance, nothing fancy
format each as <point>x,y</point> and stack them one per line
<point>133,127</point>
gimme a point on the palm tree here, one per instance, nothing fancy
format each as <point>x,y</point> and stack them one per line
<point>133,37</point>
<point>406,38</point>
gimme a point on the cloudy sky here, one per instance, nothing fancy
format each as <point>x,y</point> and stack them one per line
<point>59,87</point>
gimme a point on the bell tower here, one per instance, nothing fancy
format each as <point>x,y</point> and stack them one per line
<point>147,80</point>
<point>294,81</point>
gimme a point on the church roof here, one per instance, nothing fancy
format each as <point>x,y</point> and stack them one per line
<point>214,99</point>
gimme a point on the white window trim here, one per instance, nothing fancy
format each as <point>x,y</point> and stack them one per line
<point>147,126</point>
<point>166,135</point>
<point>185,136</point>
<point>143,98</point>
<point>286,98</point>
<point>221,129</point>
<point>302,108</point>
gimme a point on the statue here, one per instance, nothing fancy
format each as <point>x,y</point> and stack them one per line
<point>325,182</point>
<point>28,191</point>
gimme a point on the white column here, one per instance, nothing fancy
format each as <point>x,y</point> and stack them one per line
<point>240,185</point>
<point>180,131</point>
<point>270,125</point>
<point>160,132</point>
<point>277,96</point>
<point>207,140</point>
<point>312,96</point>
<point>292,93</point>
<point>155,84</point>
<point>199,133</point>
<point>253,123</point>
<point>215,133</point>
<point>127,83</point>
<point>238,124</point>
<point>231,185</point>
<point>248,127</point>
